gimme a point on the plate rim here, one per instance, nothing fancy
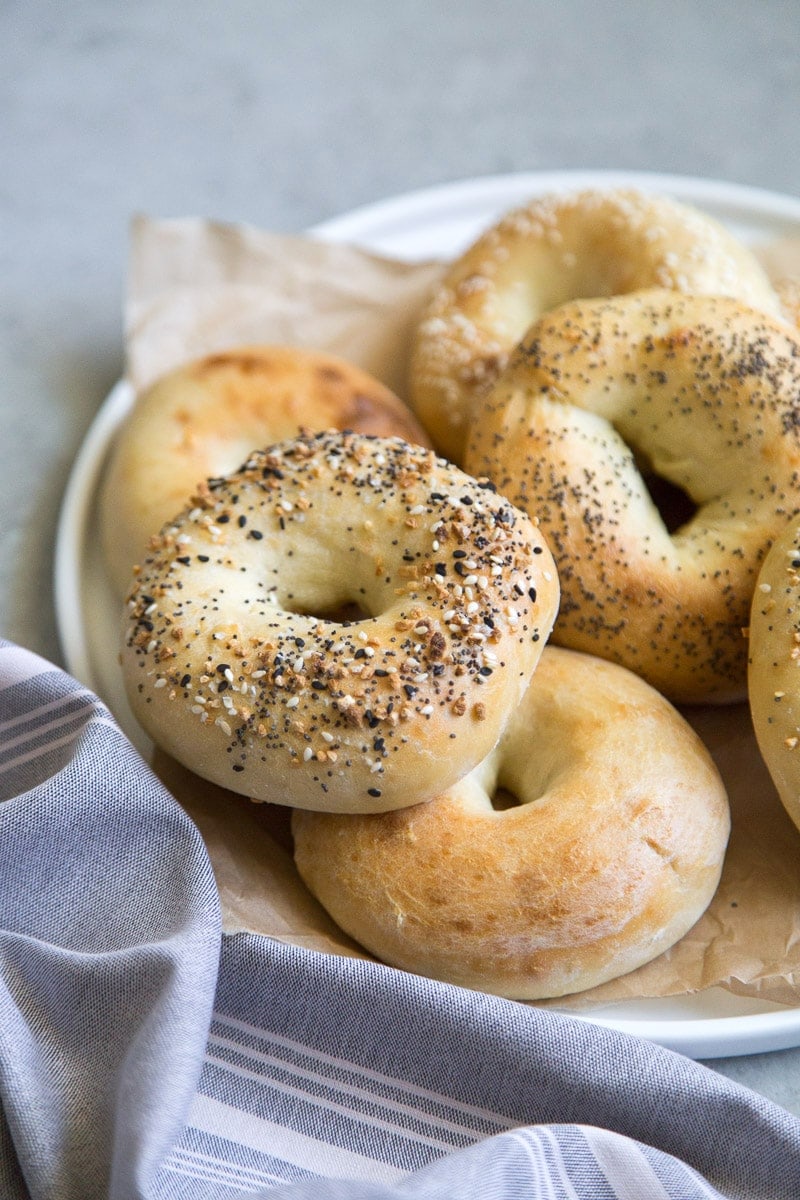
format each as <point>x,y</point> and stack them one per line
<point>489,188</point>
<point>77,499</point>
<point>696,1037</point>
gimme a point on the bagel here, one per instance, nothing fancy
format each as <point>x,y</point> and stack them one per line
<point>705,395</point>
<point>788,292</point>
<point>774,666</point>
<point>610,854</point>
<point>204,418</point>
<point>557,248</point>
<point>237,662</point>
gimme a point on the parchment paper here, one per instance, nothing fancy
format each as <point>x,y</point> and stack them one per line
<point>197,286</point>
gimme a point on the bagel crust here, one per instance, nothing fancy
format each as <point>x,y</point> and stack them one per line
<point>237,662</point>
<point>611,854</point>
<point>204,418</point>
<point>558,248</point>
<point>774,666</point>
<point>698,391</point>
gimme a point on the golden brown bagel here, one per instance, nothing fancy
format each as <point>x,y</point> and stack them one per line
<point>774,666</point>
<point>235,664</point>
<point>204,418</point>
<point>611,854</point>
<point>597,242</point>
<point>705,394</point>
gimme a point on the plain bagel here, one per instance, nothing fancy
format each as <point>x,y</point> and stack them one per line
<point>202,419</point>
<point>238,664</point>
<point>596,242</point>
<point>588,842</point>
<point>700,392</point>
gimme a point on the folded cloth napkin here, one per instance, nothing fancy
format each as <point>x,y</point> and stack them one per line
<point>143,1056</point>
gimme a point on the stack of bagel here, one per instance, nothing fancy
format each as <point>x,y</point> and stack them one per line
<point>451,635</point>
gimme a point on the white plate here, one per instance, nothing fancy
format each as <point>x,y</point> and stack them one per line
<point>435,222</point>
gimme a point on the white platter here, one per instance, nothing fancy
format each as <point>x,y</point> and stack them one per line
<point>435,222</point>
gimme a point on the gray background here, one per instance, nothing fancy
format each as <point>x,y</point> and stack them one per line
<point>284,114</point>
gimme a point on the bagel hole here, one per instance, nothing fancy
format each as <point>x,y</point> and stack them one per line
<point>675,506</point>
<point>502,799</point>
<point>349,613</point>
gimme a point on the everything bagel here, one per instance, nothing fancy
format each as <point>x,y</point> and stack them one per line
<point>204,418</point>
<point>611,851</point>
<point>237,664</point>
<point>774,666</point>
<point>558,248</point>
<point>699,391</point>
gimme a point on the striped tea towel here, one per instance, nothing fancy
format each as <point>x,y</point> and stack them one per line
<point>144,1056</point>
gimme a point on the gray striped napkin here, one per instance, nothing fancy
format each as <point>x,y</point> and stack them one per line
<point>143,1056</point>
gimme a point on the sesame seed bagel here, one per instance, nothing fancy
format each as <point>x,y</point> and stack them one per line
<point>774,666</point>
<point>699,392</point>
<point>203,419</point>
<point>610,854</point>
<point>558,248</point>
<point>239,657</point>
